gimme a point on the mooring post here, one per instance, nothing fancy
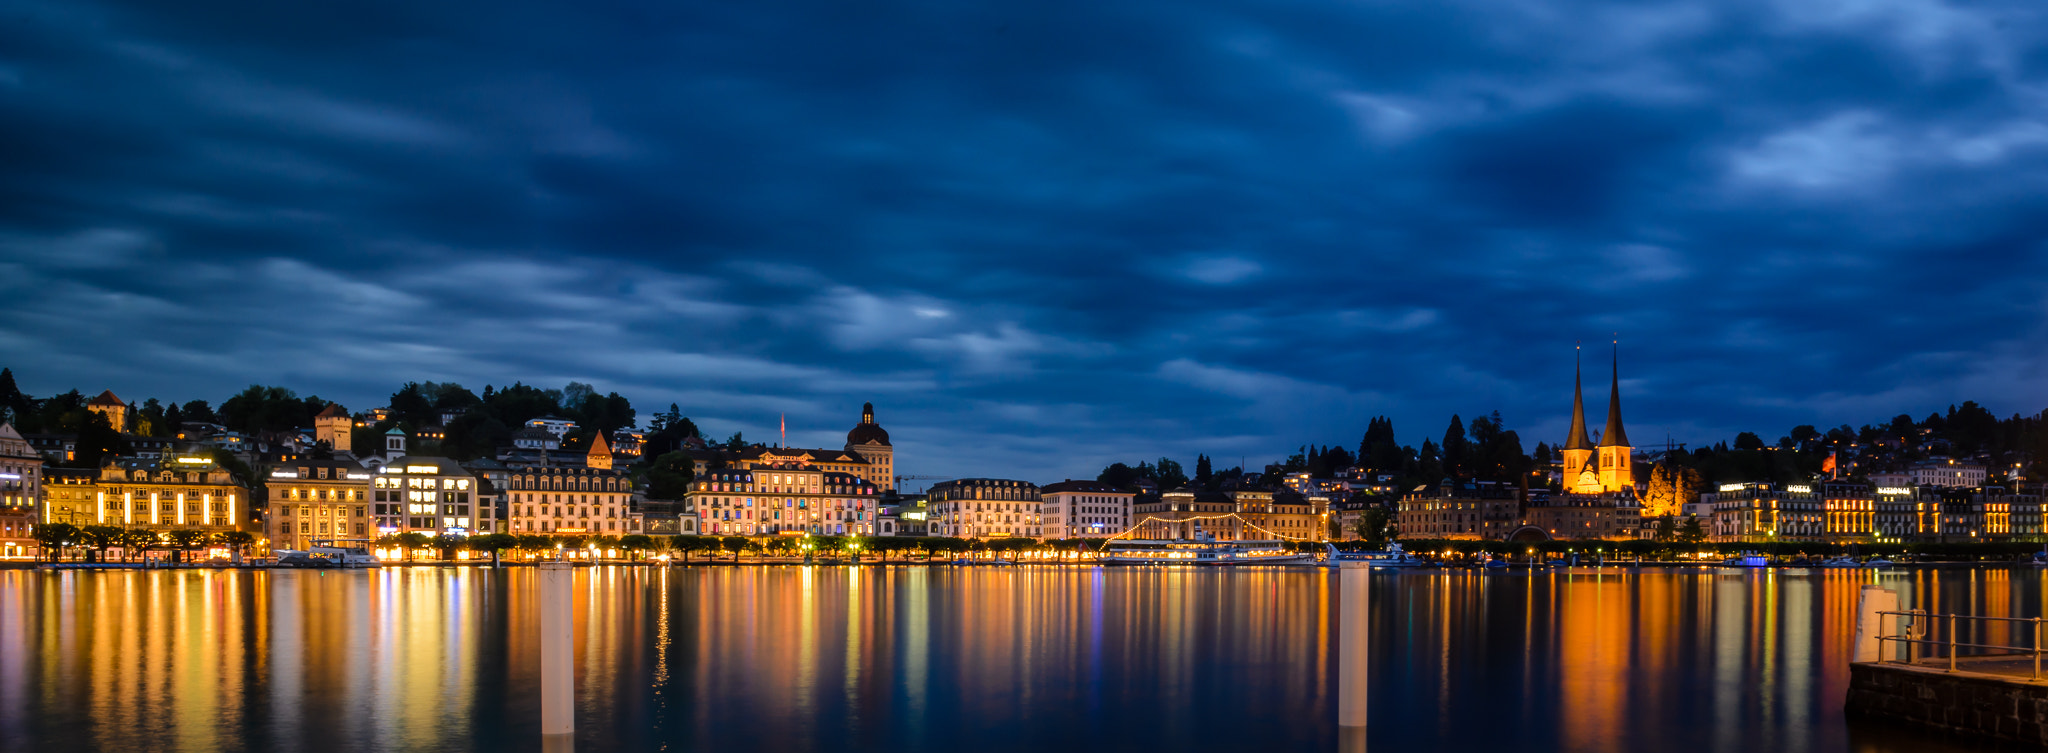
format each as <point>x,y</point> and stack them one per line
<point>557,657</point>
<point>1869,622</point>
<point>1353,644</point>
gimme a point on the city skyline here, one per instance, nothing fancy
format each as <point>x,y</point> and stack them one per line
<point>1099,235</point>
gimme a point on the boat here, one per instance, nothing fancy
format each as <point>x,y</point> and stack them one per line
<point>1747,559</point>
<point>1839,562</point>
<point>968,562</point>
<point>1496,564</point>
<point>329,553</point>
<point>1392,556</point>
<point>1203,550</point>
<point>1879,562</point>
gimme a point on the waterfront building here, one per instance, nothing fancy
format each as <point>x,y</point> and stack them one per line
<point>870,442</point>
<point>493,478</point>
<point>70,496</point>
<point>313,500</point>
<point>21,493</point>
<point>169,492</point>
<point>1848,511</point>
<point>1762,512</point>
<point>985,507</point>
<point>427,495</point>
<point>561,500</point>
<point>1085,509</point>
<point>336,428</point>
<point>1603,515</point>
<point>1240,511</point>
<point>1902,514</point>
<point>1459,510</point>
<point>785,498</point>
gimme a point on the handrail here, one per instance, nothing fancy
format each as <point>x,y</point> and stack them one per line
<point>1914,632</point>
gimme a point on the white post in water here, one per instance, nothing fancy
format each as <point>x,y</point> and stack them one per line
<point>557,656</point>
<point>1873,600</point>
<point>1353,643</point>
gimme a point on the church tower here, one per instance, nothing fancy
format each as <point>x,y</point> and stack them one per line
<point>600,455</point>
<point>1579,477</point>
<point>1617,469</point>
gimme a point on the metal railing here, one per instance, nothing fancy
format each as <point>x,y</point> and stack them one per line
<point>1914,629</point>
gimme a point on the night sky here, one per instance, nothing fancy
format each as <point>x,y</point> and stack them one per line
<point>1040,236</point>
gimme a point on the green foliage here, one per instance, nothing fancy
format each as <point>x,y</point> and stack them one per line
<point>258,409</point>
<point>669,476</point>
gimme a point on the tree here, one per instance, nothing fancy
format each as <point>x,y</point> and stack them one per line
<point>1667,528</point>
<point>238,540</point>
<point>670,475</point>
<point>1374,525</point>
<point>448,543</point>
<point>1692,532</point>
<point>97,441</point>
<point>184,540</point>
<point>134,541</point>
<point>1748,441</point>
<point>1170,475</point>
<point>1119,475</point>
<point>99,538</point>
<point>411,541</point>
<point>1454,448</point>
<point>1203,473</point>
<point>735,545</point>
<point>15,406</point>
<point>51,538</point>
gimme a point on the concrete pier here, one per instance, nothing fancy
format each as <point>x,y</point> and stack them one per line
<point>1353,646</point>
<point>557,657</point>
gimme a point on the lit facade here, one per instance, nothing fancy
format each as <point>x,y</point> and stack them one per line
<point>427,495</point>
<point>1085,509</point>
<point>985,507</point>
<point>1241,512</point>
<point>1604,468</point>
<point>788,498</point>
<point>564,501</point>
<point>1468,510</point>
<point>21,493</point>
<point>318,500</point>
<point>167,493</point>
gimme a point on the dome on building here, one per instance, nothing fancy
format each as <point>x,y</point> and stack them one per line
<point>867,430</point>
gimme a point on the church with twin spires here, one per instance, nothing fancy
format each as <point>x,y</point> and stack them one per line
<point>1606,467</point>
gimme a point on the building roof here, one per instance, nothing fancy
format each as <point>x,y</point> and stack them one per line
<point>1614,436</point>
<point>395,431</point>
<point>333,410</point>
<point>598,447</point>
<point>533,432</point>
<point>107,398</point>
<point>867,431</point>
<point>1081,487</point>
<point>1576,439</point>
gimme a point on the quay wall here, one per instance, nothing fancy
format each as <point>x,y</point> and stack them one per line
<point>1962,702</point>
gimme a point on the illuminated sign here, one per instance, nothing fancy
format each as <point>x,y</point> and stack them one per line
<point>283,474</point>
<point>1800,489</point>
<point>195,460</point>
<point>359,475</point>
<point>422,469</point>
<point>1732,487</point>
<point>569,530</point>
<point>10,476</point>
<point>1894,490</point>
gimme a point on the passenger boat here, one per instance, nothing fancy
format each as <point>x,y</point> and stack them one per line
<point>1747,559</point>
<point>1201,551</point>
<point>330,553</point>
<point>1392,556</point>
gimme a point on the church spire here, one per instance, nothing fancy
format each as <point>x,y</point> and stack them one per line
<point>1614,436</point>
<point>1576,439</point>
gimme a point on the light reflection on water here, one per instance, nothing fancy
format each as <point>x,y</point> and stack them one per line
<point>942,659</point>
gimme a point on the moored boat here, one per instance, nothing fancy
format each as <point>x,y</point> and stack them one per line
<point>1392,556</point>
<point>1201,551</point>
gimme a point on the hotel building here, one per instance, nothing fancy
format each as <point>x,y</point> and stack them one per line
<point>21,492</point>
<point>1240,512</point>
<point>557,500</point>
<point>313,500</point>
<point>427,495</point>
<point>785,498</point>
<point>167,493</point>
<point>1085,509</point>
<point>985,507</point>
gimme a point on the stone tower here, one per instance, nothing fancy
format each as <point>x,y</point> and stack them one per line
<point>868,440</point>
<point>110,406</point>
<point>1617,466</point>
<point>334,427</point>
<point>600,455</point>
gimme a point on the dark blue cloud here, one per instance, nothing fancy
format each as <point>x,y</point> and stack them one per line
<point>1045,237</point>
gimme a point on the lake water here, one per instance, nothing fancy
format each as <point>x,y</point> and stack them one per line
<point>949,659</point>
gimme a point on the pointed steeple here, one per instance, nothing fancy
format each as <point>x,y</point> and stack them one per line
<point>1577,439</point>
<point>1614,436</point>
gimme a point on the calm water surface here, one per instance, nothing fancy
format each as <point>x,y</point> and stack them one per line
<point>944,659</point>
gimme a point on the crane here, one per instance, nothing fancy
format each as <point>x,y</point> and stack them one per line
<point>901,479</point>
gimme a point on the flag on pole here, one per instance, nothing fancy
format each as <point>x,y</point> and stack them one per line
<point>785,432</point>
<point>1828,465</point>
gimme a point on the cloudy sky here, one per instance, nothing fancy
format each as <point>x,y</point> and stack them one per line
<point>1040,236</point>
